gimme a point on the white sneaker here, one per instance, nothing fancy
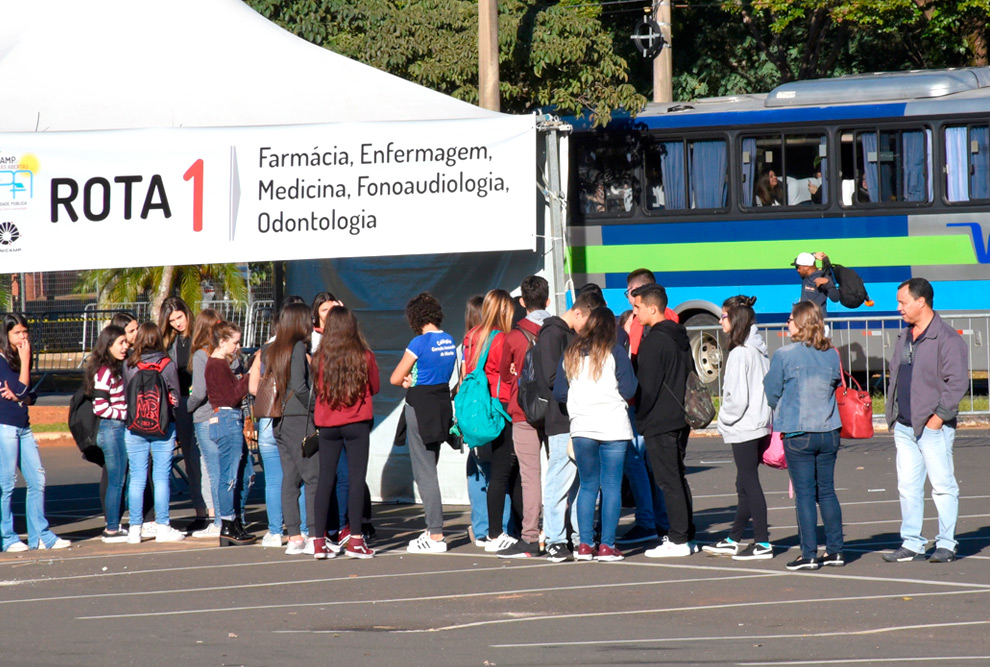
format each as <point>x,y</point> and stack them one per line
<point>165,533</point>
<point>16,547</point>
<point>211,531</point>
<point>272,540</point>
<point>149,529</point>
<point>668,549</point>
<point>134,535</point>
<point>310,548</point>
<point>60,543</point>
<point>503,542</point>
<point>424,544</point>
<point>296,547</point>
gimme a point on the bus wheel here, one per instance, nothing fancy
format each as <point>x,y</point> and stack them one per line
<point>706,349</point>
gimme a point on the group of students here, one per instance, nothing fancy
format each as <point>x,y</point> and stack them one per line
<point>613,388</point>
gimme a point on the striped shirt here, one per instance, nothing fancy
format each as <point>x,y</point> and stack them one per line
<point>116,406</point>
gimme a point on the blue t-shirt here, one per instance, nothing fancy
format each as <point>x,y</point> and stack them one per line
<point>436,355</point>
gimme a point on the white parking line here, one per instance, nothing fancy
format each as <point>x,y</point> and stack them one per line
<point>746,638</point>
<point>734,605</point>
<point>428,598</point>
<point>853,661</point>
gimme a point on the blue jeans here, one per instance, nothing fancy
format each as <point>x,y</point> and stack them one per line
<point>600,467</point>
<point>160,449</point>
<point>931,455</point>
<point>226,430</point>
<point>110,438</point>
<point>211,456</point>
<point>559,490</point>
<point>478,473</point>
<point>19,443</point>
<point>272,465</point>
<point>811,464</point>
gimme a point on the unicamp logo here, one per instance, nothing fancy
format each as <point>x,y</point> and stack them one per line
<point>8,233</point>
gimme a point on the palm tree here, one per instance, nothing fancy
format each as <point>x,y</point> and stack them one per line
<point>130,284</point>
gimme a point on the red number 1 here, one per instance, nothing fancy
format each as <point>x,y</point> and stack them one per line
<point>195,172</point>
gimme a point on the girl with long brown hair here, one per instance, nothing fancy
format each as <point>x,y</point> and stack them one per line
<point>596,380</point>
<point>346,377</point>
<point>149,350</point>
<point>202,412</point>
<point>800,387</point>
<point>175,321</point>
<point>285,361</point>
<point>496,320</point>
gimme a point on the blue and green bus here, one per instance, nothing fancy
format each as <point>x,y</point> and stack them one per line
<point>887,173</point>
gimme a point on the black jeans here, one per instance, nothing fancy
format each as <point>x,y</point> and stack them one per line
<point>504,478</point>
<point>355,438</point>
<point>666,452</point>
<point>751,504</point>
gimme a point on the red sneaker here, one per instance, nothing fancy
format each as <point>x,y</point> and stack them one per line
<point>608,554</point>
<point>356,548</point>
<point>320,550</point>
<point>585,552</point>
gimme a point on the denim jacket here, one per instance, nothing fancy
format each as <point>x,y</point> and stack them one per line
<point>800,387</point>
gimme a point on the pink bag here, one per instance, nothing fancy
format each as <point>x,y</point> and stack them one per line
<point>773,454</point>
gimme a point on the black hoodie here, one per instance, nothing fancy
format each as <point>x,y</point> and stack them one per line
<point>554,338</point>
<point>662,367</point>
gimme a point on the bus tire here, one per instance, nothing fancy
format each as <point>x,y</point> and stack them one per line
<point>706,346</point>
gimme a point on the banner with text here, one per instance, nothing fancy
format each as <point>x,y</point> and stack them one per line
<point>192,196</point>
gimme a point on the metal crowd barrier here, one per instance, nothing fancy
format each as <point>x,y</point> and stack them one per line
<point>865,345</point>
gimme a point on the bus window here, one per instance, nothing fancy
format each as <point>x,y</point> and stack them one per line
<point>608,174</point>
<point>784,170</point>
<point>682,175</point>
<point>886,166</point>
<point>967,163</point>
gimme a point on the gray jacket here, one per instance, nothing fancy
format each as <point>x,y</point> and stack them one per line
<point>744,413</point>
<point>940,377</point>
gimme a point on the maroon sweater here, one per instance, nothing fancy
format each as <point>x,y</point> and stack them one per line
<point>223,389</point>
<point>360,410</point>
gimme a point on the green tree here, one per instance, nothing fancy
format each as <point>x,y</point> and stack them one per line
<point>550,54</point>
<point>113,286</point>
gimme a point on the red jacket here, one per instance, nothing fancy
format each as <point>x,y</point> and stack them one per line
<point>498,389</point>
<point>514,352</point>
<point>360,411</point>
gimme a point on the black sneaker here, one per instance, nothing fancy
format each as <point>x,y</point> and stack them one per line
<point>521,549</point>
<point>726,547</point>
<point>558,553</point>
<point>904,555</point>
<point>637,534</point>
<point>755,551</point>
<point>835,560</point>
<point>942,555</point>
<point>802,563</point>
<point>198,524</point>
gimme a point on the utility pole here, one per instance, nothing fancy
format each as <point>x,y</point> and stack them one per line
<point>488,97</point>
<point>663,64</point>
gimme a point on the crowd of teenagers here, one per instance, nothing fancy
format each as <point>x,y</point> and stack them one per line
<point>612,389</point>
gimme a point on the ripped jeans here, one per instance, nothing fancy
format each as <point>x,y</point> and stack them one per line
<point>18,445</point>
<point>226,430</point>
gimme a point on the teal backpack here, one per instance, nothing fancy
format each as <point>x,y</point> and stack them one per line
<point>478,416</point>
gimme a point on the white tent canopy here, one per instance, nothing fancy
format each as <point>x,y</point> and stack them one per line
<point>122,64</point>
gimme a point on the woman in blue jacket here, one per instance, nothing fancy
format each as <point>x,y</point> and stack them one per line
<point>800,387</point>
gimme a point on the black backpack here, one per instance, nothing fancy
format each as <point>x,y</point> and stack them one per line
<point>852,291</point>
<point>148,407</point>
<point>530,395</point>
<point>85,425</point>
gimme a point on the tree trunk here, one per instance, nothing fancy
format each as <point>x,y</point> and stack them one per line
<point>162,292</point>
<point>976,40</point>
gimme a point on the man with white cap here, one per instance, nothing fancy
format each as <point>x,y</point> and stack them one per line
<point>816,285</point>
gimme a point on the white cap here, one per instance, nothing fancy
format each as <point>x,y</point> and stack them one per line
<point>804,259</point>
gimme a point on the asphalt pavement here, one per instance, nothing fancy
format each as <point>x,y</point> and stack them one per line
<point>194,603</point>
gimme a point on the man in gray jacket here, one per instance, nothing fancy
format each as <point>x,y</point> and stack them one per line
<point>929,375</point>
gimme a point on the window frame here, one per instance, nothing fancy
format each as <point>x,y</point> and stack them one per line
<point>935,149</point>
<point>651,139</point>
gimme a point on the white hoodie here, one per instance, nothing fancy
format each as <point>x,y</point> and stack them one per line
<point>744,414</point>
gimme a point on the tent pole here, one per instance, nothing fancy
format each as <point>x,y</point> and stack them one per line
<point>279,285</point>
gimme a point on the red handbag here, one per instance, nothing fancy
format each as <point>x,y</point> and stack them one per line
<point>855,407</point>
